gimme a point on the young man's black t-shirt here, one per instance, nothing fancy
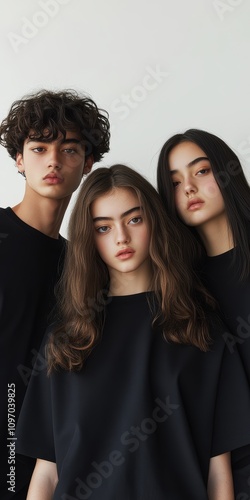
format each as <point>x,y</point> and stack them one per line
<point>30,264</point>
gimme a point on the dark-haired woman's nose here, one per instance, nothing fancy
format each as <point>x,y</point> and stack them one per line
<point>190,188</point>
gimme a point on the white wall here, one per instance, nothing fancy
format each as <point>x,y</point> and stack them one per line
<point>157,66</point>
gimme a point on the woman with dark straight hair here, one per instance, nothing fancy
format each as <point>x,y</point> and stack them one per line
<point>228,173</point>
<point>205,192</point>
<point>135,399</point>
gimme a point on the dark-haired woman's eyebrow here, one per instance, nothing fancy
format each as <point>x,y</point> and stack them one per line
<point>191,163</point>
<point>196,160</point>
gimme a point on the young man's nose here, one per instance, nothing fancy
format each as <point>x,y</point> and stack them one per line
<point>54,159</point>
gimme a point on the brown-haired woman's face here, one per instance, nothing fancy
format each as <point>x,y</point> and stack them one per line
<point>121,233</point>
<point>198,199</point>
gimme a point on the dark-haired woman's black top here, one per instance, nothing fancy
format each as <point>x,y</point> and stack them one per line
<point>222,277</point>
<point>143,417</point>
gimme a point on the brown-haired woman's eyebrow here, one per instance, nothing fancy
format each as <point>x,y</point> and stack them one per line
<point>124,214</point>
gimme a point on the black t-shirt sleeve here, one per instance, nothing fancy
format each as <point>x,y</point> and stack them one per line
<point>232,410</point>
<point>35,437</point>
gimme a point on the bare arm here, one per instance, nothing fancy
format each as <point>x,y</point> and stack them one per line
<point>220,480</point>
<point>43,482</point>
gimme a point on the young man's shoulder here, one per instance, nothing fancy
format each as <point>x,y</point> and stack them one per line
<point>12,228</point>
<point>5,218</point>
<point>4,211</point>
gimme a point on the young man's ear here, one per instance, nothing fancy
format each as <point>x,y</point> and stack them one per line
<point>88,164</point>
<point>19,162</point>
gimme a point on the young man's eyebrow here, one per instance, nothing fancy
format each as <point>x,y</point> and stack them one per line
<point>45,139</point>
<point>69,141</point>
<point>124,214</point>
<point>191,163</point>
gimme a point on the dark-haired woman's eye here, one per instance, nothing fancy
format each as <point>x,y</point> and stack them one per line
<point>176,183</point>
<point>203,171</point>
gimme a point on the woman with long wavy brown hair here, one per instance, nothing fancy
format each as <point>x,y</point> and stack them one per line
<point>137,399</point>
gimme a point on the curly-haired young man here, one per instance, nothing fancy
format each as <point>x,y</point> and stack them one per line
<point>54,137</point>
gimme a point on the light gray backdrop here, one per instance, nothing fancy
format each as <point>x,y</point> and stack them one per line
<point>157,66</point>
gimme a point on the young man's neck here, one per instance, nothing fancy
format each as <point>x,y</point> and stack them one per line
<point>216,236</point>
<point>46,216</point>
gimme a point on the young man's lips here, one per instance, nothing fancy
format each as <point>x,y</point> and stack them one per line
<point>125,253</point>
<point>195,203</point>
<point>53,179</point>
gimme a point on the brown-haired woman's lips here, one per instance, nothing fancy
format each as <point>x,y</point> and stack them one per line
<point>125,253</point>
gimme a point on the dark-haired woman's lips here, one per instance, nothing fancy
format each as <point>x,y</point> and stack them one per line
<point>195,204</point>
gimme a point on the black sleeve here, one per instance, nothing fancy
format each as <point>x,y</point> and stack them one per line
<point>35,437</point>
<point>232,411</point>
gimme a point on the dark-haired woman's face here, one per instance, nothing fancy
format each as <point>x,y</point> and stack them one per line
<point>198,199</point>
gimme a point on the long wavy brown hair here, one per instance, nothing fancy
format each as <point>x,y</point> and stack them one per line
<point>82,291</point>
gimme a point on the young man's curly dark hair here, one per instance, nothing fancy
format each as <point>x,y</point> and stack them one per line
<point>45,114</point>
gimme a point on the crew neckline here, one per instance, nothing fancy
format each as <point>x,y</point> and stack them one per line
<point>31,230</point>
<point>221,255</point>
<point>135,296</point>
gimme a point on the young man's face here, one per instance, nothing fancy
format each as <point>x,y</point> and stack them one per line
<point>54,169</point>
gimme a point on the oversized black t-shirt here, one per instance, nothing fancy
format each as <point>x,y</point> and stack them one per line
<point>221,275</point>
<point>142,418</point>
<point>30,264</point>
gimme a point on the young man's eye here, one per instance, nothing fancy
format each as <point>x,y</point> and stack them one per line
<point>135,220</point>
<point>38,149</point>
<point>70,151</point>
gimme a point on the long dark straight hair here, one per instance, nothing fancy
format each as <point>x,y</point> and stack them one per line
<point>231,180</point>
<point>83,286</point>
